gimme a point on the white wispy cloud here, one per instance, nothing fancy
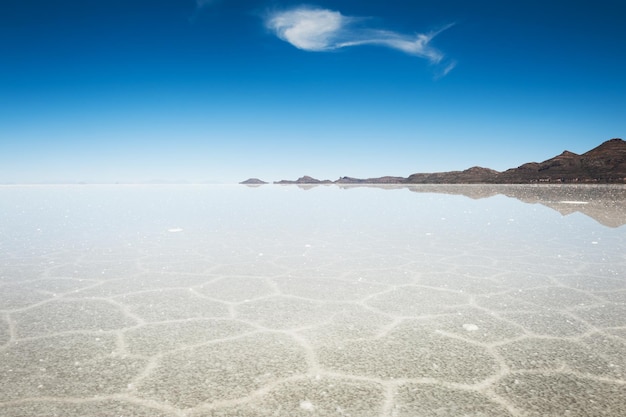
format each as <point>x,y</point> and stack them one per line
<point>316,29</point>
<point>309,29</point>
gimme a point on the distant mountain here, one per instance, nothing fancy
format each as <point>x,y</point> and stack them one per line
<point>253,181</point>
<point>474,175</point>
<point>381,180</point>
<point>603,164</point>
<point>304,180</point>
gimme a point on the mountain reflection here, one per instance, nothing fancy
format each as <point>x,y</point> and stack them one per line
<point>606,204</point>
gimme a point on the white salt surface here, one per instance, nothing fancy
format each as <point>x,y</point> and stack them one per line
<point>318,302</point>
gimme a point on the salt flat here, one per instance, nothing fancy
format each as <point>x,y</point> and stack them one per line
<point>196,300</point>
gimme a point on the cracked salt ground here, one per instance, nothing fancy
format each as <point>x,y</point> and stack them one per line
<point>358,306</point>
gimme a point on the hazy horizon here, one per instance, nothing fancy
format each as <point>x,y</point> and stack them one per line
<point>221,91</point>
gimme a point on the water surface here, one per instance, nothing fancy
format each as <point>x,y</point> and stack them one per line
<point>284,301</point>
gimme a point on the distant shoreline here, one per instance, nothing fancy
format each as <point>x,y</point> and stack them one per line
<point>604,164</point>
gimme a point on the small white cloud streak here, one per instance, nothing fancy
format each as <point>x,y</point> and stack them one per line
<point>447,69</point>
<point>318,30</point>
<point>416,45</point>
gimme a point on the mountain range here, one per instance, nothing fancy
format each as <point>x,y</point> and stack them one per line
<point>605,163</point>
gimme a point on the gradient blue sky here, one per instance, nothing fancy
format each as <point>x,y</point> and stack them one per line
<point>223,90</point>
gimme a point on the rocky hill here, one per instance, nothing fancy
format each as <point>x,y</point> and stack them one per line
<point>474,175</point>
<point>304,180</point>
<point>603,164</point>
<point>253,181</point>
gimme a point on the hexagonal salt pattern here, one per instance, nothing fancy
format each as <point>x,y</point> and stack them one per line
<point>224,302</point>
<point>410,351</point>
<point>432,400</point>
<point>73,365</point>
<point>562,394</point>
<point>70,315</point>
<point>156,338</point>
<point>224,370</point>
<point>307,396</point>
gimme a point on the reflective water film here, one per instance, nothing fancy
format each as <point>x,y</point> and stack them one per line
<point>223,301</point>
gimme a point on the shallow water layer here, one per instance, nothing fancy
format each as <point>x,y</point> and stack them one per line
<point>283,301</point>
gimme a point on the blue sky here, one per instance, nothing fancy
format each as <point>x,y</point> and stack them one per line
<point>223,90</point>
